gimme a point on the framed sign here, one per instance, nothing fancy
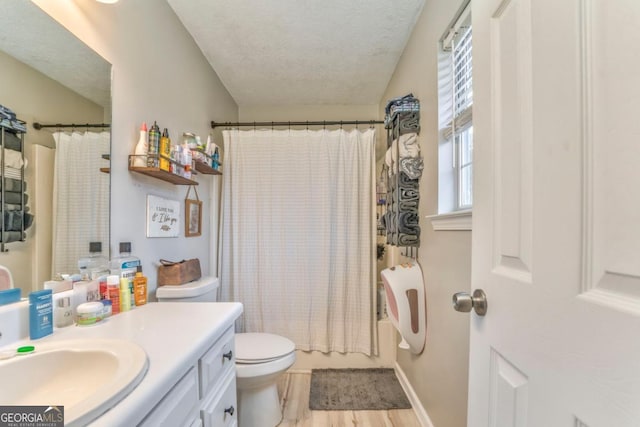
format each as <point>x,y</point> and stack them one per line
<point>163,217</point>
<point>193,215</point>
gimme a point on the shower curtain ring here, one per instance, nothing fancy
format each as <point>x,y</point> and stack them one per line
<point>356,124</point>
<point>307,124</point>
<point>254,125</point>
<point>324,125</point>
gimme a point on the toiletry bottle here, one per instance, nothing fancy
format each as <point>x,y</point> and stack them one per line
<point>187,159</point>
<point>165,150</point>
<point>208,150</point>
<point>93,290</point>
<point>154,146</point>
<point>113,290</point>
<point>126,266</point>
<point>79,295</point>
<point>108,308</point>
<point>40,314</point>
<point>142,148</point>
<point>140,287</point>
<point>94,265</point>
<point>104,294</point>
<point>63,313</point>
<point>125,295</point>
<point>215,162</point>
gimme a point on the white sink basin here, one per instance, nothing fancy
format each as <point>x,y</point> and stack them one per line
<point>87,377</point>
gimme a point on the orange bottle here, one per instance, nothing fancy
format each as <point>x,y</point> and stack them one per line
<point>140,287</point>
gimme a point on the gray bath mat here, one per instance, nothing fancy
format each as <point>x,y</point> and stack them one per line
<point>356,389</point>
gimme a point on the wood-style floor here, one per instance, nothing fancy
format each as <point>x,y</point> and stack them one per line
<point>294,394</point>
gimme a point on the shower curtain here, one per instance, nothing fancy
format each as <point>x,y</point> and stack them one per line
<point>80,205</point>
<point>298,235</point>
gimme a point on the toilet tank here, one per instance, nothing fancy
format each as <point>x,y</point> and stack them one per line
<point>204,289</point>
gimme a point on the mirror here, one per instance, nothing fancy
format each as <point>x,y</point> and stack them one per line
<point>49,76</point>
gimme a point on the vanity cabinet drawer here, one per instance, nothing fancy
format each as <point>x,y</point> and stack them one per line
<point>178,406</point>
<point>220,409</point>
<point>216,362</point>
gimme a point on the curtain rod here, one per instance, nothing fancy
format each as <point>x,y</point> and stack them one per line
<point>39,126</point>
<point>298,123</point>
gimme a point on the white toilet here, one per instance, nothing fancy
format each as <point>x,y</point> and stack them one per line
<point>260,359</point>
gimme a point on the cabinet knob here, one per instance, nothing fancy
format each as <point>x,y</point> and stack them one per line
<point>230,410</point>
<point>229,356</point>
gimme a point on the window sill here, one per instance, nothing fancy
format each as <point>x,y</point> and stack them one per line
<point>451,221</point>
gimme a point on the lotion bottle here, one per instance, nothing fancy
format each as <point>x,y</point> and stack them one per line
<point>142,148</point>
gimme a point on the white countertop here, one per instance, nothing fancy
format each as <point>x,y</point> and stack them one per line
<point>174,335</point>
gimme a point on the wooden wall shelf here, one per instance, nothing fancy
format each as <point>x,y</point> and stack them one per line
<point>160,174</point>
<point>206,169</point>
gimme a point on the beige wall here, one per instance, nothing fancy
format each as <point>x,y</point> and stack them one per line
<point>308,112</point>
<point>35,97</point>
<point>439,374</point>
<point>158,74</point>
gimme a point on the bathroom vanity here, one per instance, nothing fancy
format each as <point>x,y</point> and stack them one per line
<point>190,378</point>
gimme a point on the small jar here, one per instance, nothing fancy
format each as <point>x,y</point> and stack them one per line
<point>89,313</point>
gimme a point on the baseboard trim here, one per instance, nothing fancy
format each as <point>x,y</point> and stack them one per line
<point>419,410</point>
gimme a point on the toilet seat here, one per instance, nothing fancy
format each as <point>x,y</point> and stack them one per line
<point>255,348</point>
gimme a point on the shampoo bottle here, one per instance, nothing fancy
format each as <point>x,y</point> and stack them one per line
<point>142,148</point>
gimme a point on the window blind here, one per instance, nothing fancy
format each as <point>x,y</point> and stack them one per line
<point>457,45</point>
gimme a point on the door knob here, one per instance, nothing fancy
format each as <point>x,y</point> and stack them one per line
<point>464,302</point>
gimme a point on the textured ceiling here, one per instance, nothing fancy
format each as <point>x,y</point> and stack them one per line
<point>31,36</point>
<point>301,52</point>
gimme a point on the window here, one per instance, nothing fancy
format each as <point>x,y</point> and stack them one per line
<point>455,102</point>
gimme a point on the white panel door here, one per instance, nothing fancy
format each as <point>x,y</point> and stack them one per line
<point>556,216</point>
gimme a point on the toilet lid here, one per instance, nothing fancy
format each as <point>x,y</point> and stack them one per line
<point>188,290</point>
<point>260,347</point>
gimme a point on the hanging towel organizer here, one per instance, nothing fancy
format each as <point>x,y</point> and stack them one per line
<point>14,218</point>
<point>404,165</point>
